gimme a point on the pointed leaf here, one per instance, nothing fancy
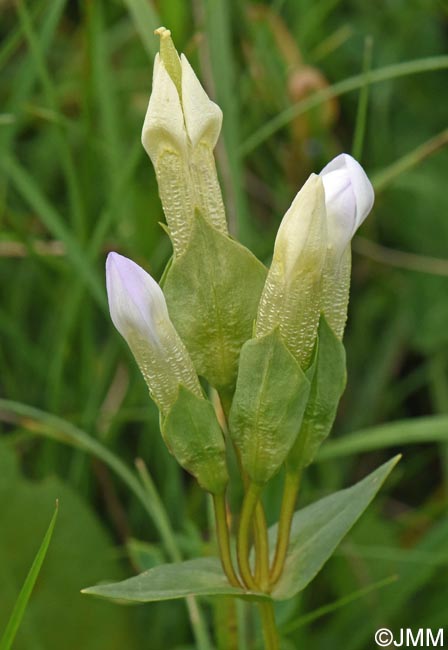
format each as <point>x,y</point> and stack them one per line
<point>268,405</point>
<point>327,385</point>
<point>318,529</point>
<point>198,577</point>
<point>212,291</point>
<point>195,439</point>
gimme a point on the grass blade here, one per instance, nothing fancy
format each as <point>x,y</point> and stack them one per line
<point>25,593</point>
<point>146,20</point>
<point>386,176</point>
<point>54,222</point>
<point>363,101</point>
<point>404,432</point>
<point>385,73</point>
<point>223,71</point>
<point>337,604</point>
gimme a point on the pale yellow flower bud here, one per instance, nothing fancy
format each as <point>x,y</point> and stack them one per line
<point>291,295</point>
<point>180,131</point>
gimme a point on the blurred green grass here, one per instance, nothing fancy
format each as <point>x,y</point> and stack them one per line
<point>75,183</point>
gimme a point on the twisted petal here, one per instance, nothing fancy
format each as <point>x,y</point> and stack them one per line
<point>203,118</point>
<point>164,126</point>
<point>139,312</point>
<point>349,198</point>
<point>136,302</point>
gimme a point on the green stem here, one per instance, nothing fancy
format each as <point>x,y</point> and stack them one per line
<point>270,634</point>
<point>260,527</point>
<point>222,534</point>
<point>261,548</point>
<point>243,542</point>
<point>260,532</point>
<point>226,623</point>
<point>290,490</point>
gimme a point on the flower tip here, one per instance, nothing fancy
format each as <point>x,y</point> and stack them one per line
<point>111,258</point>
<point>135,299</point>
<point>349,196</point>
<point>163,32</point>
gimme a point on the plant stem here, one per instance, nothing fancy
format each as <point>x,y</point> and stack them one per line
<point>225,623</point>
<point>222,534</point>
<point>261,548</point>
<point>243,542</point>
<point>270,634</point>
<point>290,490</point>
<point>260,527</point>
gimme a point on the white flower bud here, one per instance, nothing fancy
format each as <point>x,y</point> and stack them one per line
<point>139,312</point>
<point>179,134</point>
<point>349,198</point>
<point>291,295</point>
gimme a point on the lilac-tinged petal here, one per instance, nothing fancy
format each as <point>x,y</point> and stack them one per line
<point>349,198</point>
<point>139,312</point>
<point>136,301</point>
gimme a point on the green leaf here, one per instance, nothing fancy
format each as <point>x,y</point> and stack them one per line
<point>19,608</point>
<point>212,291</point>
<point>198,577</point>
<point>195,439</point>
<point>268,405</point>
<point>80,553</point>
<point>45,424</point>
<point>327,385</point>
<point>316,532</point>
<point>318,529</point>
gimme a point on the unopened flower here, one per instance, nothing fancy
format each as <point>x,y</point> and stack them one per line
<point>349,198</point>
<point>291,295</point>
<point>139,312</point>
<point>180,131</point>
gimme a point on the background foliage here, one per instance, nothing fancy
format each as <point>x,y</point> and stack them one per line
<point>76,183</point>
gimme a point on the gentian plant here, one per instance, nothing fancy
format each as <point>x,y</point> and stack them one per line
<point>266,343</point>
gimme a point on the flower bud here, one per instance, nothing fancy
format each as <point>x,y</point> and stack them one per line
<point>291,295</point>
<point>179,134</point>
<point>348,199</point>
<point>139,312</point>
<point>164,126</point>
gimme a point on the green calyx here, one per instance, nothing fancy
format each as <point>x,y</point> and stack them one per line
<point>268,405</point>
<point>194,437</point>
<point>328,378</point>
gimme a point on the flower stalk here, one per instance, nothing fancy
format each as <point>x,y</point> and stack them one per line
<point>223,537</point>
<point>290,491</point>
<point>270,634</point>
<point>250,502</point>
